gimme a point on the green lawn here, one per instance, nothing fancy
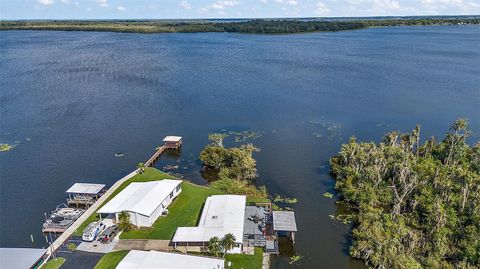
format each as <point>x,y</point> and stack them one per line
<point>245,261</point>
<point>111,260</point>
<point>54,263</point>
<point>184,211</point>
<point>150,174</point>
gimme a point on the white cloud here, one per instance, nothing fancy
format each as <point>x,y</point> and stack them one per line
<point>185,5</point>
<point>220,5</point>
<point>66,1</point>
<point>321,8</point>
<point>102,3</point>
<point>264,1</point>
<point>442,6</point>
<point>374,6</point>
<point>121,8</point>
<point>46,2</point>
<point>292,2</point>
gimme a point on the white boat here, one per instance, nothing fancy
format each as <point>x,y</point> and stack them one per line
<point>60,219</point>
<point>92,231</point>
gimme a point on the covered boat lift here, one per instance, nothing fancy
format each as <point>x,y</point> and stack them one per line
<point>284,224</point>
<point>84,194</point>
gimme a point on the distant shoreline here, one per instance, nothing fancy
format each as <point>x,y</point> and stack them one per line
<point>256,26</point>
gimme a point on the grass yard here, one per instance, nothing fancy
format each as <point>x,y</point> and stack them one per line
<point>54,263</point>
<point>111,260</point>
<point>184,211</point>
<point>150,174</point>
<point>245,261</point>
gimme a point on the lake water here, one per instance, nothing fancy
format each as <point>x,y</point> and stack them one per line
<point>71,100</point>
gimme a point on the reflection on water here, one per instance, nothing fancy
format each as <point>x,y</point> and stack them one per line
<point>70,101</point>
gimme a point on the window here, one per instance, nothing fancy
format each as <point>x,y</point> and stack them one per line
<point>171,194</point>
<point>177,188</point>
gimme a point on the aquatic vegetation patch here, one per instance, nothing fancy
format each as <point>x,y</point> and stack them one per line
<point>6,147</point>
<point>328,195</point>
<point>295,258</point>
<point>245,135</point>
<point>329,130</point>
<point>286,200</point>
<point>343,218</point>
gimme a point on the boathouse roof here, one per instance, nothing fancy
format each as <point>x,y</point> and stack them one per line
<point>284,221</point>
<point>172,138</point>
<point>86,188</point>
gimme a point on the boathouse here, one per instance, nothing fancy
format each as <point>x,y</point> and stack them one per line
<point>84,194</point>
<point>172,142</point>
<point>144,201</point>
<point>155,259</point>
<point>284,224</point>
<point>221,215</point>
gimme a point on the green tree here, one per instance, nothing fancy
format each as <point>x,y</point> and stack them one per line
<point>124,223</point>
<point>214,246</point>
<point>413,205</point>
<point>141,168</point>
<point>228,243</point>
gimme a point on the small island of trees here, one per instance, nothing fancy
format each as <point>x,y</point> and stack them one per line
<point>414,205</point>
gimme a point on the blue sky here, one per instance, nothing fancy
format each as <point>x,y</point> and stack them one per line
<point>168,9</point>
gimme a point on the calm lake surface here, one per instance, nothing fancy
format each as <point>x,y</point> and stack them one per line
<point>71,100</point>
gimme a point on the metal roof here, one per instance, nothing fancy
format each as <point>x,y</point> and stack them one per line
<point>155,259</point>
<point>284,221</point>
<point>222,214</point>
<point>86,188</point>
<point>20,258</point>
<point>141,197</point>
<point>172,138</point>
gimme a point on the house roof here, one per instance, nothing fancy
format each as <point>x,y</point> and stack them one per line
<point>141,197</point>
<point>139,259</point>
<point>222,214</point>
<point>86,188</point>
<point>284,221</point>
<point>172,138</point>
<point>20,258</point>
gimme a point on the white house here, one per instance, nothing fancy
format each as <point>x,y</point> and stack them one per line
<point>222,214</point>
<point>144,201</point>
<point>139,259</point>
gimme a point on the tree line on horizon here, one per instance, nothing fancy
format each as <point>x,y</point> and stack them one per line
<point>255,26</point>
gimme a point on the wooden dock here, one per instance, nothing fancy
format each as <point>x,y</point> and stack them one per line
<point>155,156</point>
<point>170,142</point>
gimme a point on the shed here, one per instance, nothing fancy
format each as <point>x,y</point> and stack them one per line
<point>284,223</point>
<point>155,259</point>
<point>144,201</point>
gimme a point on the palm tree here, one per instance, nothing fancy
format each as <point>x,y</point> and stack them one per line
<point>228,242</point>
<point>124,221</point>
<point>214,246</point>
<point>141,168</point>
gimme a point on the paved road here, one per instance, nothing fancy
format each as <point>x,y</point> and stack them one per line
<point>79,259</point>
